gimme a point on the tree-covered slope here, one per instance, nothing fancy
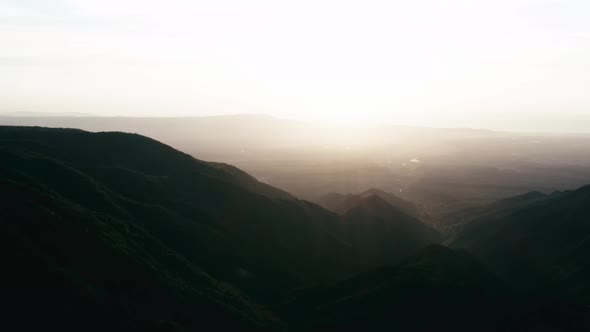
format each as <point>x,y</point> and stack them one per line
<point>382,234</point>
<point>68,268</point>
<point>141,232</point>
<point>537,242</point>
<point>438,289</point>
<point>118,232</point>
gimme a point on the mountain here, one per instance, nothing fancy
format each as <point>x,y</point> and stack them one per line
<point>538,242</point>
<point>381,227</point>
<point>204,134</point>
<point>249,131</point>
<point>436,289</point>
<point>208,211</point>
<point>499,208</point>
<point>18,114</point>
<point>442,170</point>
<point>341,203</point>
<point>119,232</point>
<point>215,214</point>
<point>382,234</point>
<point>338,203</point>
<point>69,268</point>
<point>403,205</point>
<point>133,230</point>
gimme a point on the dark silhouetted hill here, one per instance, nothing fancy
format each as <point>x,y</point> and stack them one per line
<point>341,203</point>
<point>70,268</point>
<point>382,234</point>
<point>122,226</point>
<point>538,242</point>
<point>438,289</point>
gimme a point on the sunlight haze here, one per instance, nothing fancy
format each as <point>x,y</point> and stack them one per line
<point>511,65</point>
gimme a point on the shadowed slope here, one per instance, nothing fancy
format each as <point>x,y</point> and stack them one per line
<point>341,203</point>
<point>175,225</point>
<point>382,234</point>
<point>436,289</point>
<point>537,242</point>
<point>68,268</point>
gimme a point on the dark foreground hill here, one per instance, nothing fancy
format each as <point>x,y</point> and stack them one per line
<point>438,289</point>
<point>67,268</point>
<point>122,226</point>
<point>538,242</point>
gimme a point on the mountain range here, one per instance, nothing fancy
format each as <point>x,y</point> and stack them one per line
<point>115,231</point>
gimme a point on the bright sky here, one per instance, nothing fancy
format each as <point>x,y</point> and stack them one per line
<point>509,64</point>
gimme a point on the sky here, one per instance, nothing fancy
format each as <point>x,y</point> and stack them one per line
<point>503,64</point>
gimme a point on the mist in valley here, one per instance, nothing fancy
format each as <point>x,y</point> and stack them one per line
<point>442,170</point>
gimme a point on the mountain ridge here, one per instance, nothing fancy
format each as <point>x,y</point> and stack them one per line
<point>116,231</point>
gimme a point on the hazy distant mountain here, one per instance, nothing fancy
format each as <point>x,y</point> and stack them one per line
<point>341,203</point>
<point>205,134</point>
<point>220,135</point>
<point>536,241</point>
<point>443,170</point>
<point>382,234</point>
<point>382,227</point>
<point>44,114</point>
